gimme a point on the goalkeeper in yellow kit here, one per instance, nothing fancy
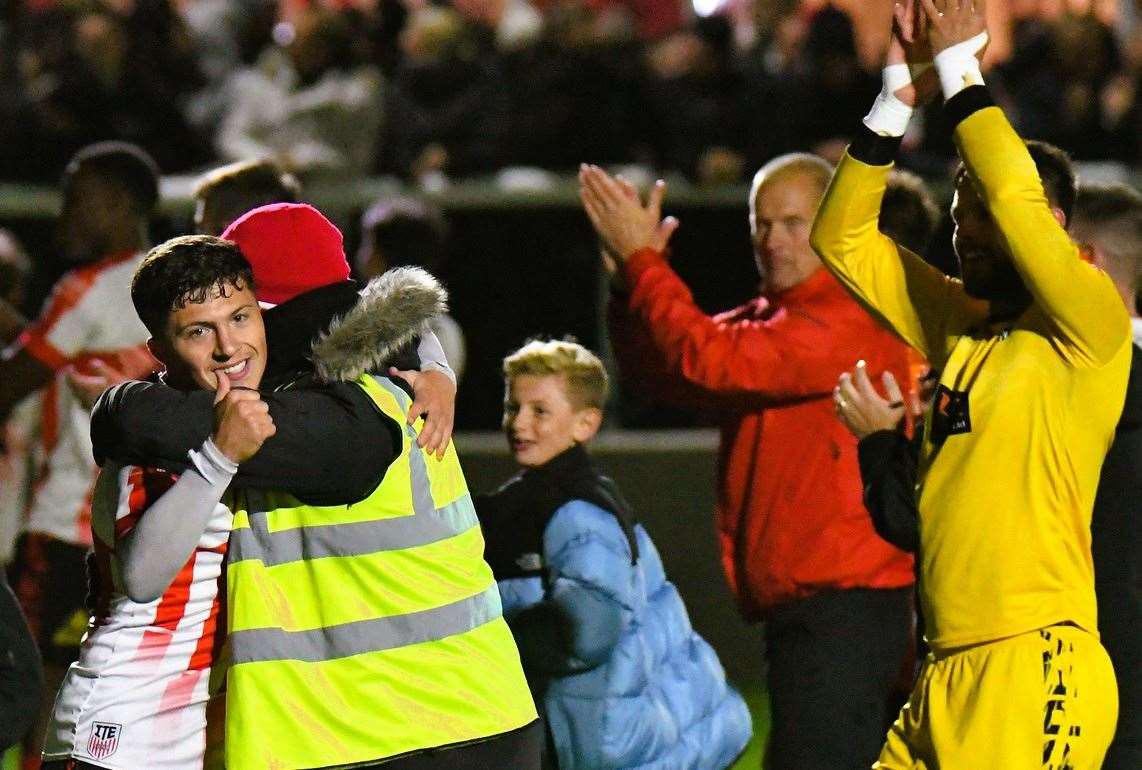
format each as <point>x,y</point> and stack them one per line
<point>1034,345</point>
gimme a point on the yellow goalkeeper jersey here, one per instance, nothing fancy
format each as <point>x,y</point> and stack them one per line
<point>1025,410</point>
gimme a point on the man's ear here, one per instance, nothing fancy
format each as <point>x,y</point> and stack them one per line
<point>588,420</point>
<point>158,350</point>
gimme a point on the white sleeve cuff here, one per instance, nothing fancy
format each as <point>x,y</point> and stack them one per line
<point>431,353</point>
<point>958,66</point>
<point>437,366</point>
<point>213,465</point>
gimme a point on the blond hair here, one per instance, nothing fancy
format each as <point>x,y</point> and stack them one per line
<point>586,377</point>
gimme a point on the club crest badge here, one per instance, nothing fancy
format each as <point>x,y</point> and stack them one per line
<point>104,739</point>
<point>950,414</point>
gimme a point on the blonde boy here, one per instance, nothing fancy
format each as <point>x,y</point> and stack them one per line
<point>584,591</point>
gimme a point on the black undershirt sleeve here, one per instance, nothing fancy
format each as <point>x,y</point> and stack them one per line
<point>888,471</point>
<point>966,103</point>
<point>332,445</point>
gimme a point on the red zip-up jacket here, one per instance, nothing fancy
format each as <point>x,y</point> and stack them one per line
<point>789,511</point>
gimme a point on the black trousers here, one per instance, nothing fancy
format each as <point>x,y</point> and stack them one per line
<point>832,661</point>
<point>1120,625</point>
<point>520,749</point>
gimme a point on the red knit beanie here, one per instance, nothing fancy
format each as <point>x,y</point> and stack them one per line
<point>292,247</point>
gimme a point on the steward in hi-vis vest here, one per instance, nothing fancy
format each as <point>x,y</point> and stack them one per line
<point>378,621</point>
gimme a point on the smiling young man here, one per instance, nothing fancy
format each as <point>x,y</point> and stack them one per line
<point>216,338</point>
<point>142,693</point>
<point>1034,347</point>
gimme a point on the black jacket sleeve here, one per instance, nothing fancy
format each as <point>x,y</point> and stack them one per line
<point>332,444</point>
<point>888,471</point>
<point>21,676</point>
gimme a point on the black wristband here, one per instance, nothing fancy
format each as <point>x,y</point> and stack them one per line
<point>966,103</point>
<point>872,148</point>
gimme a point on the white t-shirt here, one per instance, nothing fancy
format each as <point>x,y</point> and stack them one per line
<point>145,692</point>
<point>88,316</point>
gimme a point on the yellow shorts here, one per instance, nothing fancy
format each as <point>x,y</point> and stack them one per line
<point>1044,700</point>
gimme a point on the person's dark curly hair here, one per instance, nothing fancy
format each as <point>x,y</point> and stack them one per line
<point>186,269</point>
<point>908,212</point>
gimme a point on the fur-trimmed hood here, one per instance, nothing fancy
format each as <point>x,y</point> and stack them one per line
<point>392,309</point>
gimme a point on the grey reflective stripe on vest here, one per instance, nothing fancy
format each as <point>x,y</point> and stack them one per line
<point>341,641</point>
<point>357,538</point>
<point>428,524</point>
<point>417,471</point>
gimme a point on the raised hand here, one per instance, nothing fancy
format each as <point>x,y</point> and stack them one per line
<point>951,22</point>
<point>434,398</point>
<point>909,46</point>
<point>861,408</point>
<point>621,220</point>
<point>242,421</point>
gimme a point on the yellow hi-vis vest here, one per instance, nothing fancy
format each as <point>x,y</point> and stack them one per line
<point>366,631</point>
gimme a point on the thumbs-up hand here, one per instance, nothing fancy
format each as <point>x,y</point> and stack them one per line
<point>242,421</point>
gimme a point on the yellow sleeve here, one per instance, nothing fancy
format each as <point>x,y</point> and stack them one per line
<point>1079,300</point>
<point>924,307</point>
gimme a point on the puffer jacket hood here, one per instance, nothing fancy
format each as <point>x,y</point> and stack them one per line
<point>392,310</point>
<point>343,329</point>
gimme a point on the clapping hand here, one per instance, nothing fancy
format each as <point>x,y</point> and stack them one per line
<point>861,408</point>
<point>624,224</point>
<point>909,45</point>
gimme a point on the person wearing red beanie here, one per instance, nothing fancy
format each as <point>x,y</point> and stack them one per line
<point>292,248</point>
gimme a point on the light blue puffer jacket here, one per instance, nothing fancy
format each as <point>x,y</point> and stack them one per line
<point>657,697</point>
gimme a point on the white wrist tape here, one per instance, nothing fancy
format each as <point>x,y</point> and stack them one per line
<point>958,66</point>
<point>889,116</point>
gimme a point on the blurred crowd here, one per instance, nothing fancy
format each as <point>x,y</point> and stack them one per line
<point>431,92</point>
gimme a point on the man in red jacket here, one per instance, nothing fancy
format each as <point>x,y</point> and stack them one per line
<point>798,547</point>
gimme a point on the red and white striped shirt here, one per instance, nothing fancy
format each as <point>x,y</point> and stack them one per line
<point>88,316</point>
<point>145,692</point>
